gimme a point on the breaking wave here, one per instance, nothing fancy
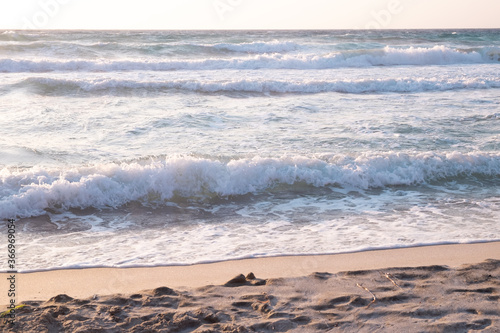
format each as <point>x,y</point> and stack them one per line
<point>389,56</point>
<point>31,192</point>
<point>53,86</point>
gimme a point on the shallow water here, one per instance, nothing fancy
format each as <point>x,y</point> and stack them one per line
<point>161,147</point>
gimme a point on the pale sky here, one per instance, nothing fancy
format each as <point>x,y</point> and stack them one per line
<point>248,14</point>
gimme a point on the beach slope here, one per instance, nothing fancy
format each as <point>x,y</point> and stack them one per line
<point>449,288</point>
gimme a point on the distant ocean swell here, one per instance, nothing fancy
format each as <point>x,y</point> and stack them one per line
<point>162,48</point>
<point>388,56</point>
<point>30,192</point>
<point>56,86</point>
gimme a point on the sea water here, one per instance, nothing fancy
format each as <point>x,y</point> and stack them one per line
<point>140,148</point>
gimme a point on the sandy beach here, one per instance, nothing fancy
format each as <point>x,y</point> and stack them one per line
<point>447,288</point>
<point>139,168</point>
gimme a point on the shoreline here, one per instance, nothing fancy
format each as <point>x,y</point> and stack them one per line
<point>87,282</point>
<point>209,262</point>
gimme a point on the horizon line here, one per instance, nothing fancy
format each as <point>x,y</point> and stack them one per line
<point>242,29</point>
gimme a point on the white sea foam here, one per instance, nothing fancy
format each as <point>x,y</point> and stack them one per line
<point>47,85</point>
<point>202,146</point>
<point>389,56</point>
<point>30,192</point>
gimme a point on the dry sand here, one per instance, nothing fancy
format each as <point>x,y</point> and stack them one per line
<point>450,288</point>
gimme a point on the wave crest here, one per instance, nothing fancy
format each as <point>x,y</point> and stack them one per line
<point>389,56</point>
<point>52,86</point>
<point>30,192</point>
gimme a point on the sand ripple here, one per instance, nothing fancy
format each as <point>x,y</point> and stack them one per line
<point>420,299</point>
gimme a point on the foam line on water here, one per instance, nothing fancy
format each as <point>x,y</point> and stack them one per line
<point>49,85</point>
<point>388,56</point>
<point>30,192</point>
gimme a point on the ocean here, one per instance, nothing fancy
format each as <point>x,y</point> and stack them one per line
<point>145,148</point>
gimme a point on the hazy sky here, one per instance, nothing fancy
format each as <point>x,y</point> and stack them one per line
<point>248,14</point>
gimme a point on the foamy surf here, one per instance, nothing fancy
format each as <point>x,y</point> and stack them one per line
<point>389,56</point>
<point>177,147</point>
<point>50,86</point>
<point>32,192</point>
